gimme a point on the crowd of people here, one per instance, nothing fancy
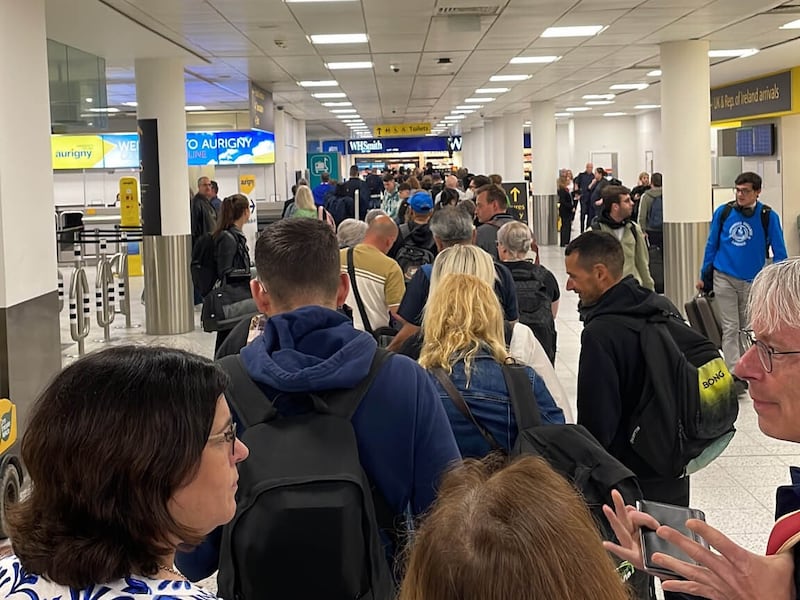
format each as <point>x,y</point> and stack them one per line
<point>312,461</point>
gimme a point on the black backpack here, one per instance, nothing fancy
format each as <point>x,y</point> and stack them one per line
<point>535,305</point>
<point>686,414</point>
<point>410,256</point>
<point>569,449</point>
<point>204,264</point>
<point>305,523</point>
<point>339,207</point>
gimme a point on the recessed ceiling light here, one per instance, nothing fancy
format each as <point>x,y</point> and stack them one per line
<point>454,117</point>
<point>348,116</point>
<point>509,77</point>
<point>300,1</point>
<point>630,86</point>
<point>339,38</point>
<point>599,96</point>
<point>646,106</point>
<point>492,90</point>
<point>465,111</point>
<point>89,100</point>
<point>320,83</point>
<point>599,102</point>
<point>109,109</point>
<point>791,25</point>
<point>329,104</point>
<point>654,73</point>
<point>194,107</point>
<point>573,109</point>
<point>132,104</point>
<point>740,53</point>
<point>479,100</point>
<point>581,31</point>
<point>527,123</point>
<point>470,106</point>
<point>322,95</point>
<point>360,64</point>
<point>342,111</point>
<point>527,60</point>
<point>563,114</point>
<point>615,114</point>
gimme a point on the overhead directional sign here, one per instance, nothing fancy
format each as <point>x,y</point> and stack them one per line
<point>517,193</point>
<point>402,129</point>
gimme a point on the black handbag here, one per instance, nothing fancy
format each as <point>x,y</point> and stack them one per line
<point>227,304</point>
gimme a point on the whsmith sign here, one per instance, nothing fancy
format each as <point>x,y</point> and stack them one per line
<point>405,144</point>
<point>765,95</point>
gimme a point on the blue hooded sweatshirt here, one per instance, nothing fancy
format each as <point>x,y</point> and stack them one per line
<point>404,437</point>
<point>737,247</point>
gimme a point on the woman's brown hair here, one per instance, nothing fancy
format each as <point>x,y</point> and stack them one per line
<point>519,532</point>
<point>108,443</point>
<point>233,207</point>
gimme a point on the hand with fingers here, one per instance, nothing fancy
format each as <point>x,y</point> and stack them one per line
<point>731,573</point>
<point>626,522</point>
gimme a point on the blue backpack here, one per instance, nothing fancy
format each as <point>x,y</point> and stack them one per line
<point>655,218</point>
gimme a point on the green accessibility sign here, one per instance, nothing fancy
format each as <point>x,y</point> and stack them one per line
<point>323,162</point>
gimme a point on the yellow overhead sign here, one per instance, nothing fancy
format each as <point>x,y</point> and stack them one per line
<point>401,129</point>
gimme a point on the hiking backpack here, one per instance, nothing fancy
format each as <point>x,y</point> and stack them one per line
<point>411,258</point>
<point>686,413</point>
<point>535,306</point>
<point>655,218</point>
<point>204,264</point>
<point>306,524</point>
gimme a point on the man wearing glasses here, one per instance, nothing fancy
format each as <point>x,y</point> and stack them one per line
<point>742,232</point>
<point>771,365</point>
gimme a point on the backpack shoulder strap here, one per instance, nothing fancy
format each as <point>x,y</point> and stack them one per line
<point>251,404</point>
<point>351,271</point>
<point>461,405</point>
<point>765,211</point>
<point>526,411</point>
<point>344,403</point>
<point>726,212</point>
<point>508,332</point>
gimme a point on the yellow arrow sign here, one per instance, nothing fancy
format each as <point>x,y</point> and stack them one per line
<point>401,129</point>
<point>515,192</point>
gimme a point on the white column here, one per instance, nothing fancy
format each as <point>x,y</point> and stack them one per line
<point>167,243</point>
<point>282,158</point>
<point>496,151</point>
<point>685,122</point>
<point>29,319</point>
<point>544,159</point>
<point>473,151</point>
<point>513,148</point>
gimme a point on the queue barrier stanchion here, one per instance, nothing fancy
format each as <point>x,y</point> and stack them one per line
<point>119,264</point>
<point>60,290</point>
<point>356,205</point>
<point>104,292</point>
<point>79,316</point>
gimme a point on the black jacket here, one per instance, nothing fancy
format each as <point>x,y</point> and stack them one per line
<point>203,216</point>
<point>356,183</point>
<point>413,234</point>
<point>231,251</point>
<point>611,370</point>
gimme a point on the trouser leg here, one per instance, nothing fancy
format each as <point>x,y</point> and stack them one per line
<point>726,297</point>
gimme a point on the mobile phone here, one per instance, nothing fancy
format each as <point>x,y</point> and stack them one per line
<point>672,516</point>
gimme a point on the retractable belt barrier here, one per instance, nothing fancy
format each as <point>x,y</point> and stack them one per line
<point>79,316</point>
<point>104,289</point>
<point>119,267</point>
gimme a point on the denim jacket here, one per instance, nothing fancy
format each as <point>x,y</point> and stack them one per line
<point>488,400</point>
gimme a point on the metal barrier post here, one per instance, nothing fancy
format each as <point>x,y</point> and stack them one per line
<point>120,269</point>
<point>356,205</point>
<point>79,320</point>
<point>60,290</point>
<point>104,292</point>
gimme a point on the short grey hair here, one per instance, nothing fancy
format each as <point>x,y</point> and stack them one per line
<point>452,224</point>
<point>463,258</point>
<point>351,232</point>
<point>516,237</point>
<point>373,214</point>
<point>775,297</point>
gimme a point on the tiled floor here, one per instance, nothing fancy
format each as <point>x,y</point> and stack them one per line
<point>737,492</point>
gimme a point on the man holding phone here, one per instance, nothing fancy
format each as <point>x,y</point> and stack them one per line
<point>771,367</point>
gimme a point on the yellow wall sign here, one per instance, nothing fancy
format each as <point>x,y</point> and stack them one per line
<point>247,183</point>
<point>401,129</point>
<point>8,424</point>
<point>77,151</point>
<point>129,202</point>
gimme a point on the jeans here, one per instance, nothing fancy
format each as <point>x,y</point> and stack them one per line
<point>731,296</point>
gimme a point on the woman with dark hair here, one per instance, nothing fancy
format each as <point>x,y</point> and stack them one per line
<point>448,197</point>
<point>566,209</point>
<point>229,240</point>
<point>131,452</point>
<point>521,532</point>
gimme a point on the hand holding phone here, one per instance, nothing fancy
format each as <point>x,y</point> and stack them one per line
<point>672,516</point>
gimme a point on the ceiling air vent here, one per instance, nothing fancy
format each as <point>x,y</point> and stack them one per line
<point>462,11</point>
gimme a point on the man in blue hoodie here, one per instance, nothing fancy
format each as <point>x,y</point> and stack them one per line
<point>742,232</point>
<point>404,438</point>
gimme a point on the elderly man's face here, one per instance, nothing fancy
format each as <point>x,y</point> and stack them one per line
<point>775,394</point>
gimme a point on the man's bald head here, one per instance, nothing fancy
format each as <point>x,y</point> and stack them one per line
<point>381,233</point>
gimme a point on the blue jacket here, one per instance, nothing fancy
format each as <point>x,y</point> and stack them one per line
<point>320,192</point>
<point>403,435</point>
<point>488,401</point>
<point>740,250</point>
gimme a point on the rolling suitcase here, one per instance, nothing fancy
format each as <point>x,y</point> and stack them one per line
<point>701,315</point>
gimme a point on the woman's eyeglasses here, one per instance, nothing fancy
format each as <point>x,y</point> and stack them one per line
<point>229,436</point>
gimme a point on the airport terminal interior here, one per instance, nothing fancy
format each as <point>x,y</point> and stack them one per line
<point>278,90</point>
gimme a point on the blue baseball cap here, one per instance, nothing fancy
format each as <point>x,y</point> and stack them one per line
<point>421,202</point>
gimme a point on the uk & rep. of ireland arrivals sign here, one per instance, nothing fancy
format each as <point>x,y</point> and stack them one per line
<point>765,95</point>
